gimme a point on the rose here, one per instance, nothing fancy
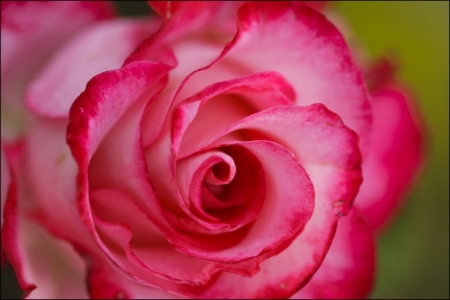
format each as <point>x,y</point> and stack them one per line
<point>205,168</point>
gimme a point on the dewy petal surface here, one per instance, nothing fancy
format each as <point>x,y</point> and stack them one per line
<point>348,271</point>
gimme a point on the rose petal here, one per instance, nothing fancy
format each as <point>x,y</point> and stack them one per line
<point>142,243</point>
<point>262,90</point>
<point>190,175</point>
<point>87,54</point>
<point>328,151</point>
<point>395,158</point>
<point>181,17</point>
<point>318,66</point>
<point>348,270</point>
<point>49,171</point>
<point>94,113</point>
<point>52,265</point>
<point>45,267</point>
<point>24,26</point>
<point>288,203</point>
<point>168,46</point>
<point>126,133</point>
<point>232,100</point>
<point>106,98</point>
<point>120,154</point>
<point>146,200</point>
<point>242,195</point>
<point>104,282</point>
<point>5,181</point>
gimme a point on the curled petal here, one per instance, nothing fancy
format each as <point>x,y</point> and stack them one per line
<point>288,203</point>
<point>113,104</point>
<point>328,150</point>
<point>106,98</point>
<point>233,100</point>
<point>194,120</point>
<point>202,180</point>
<point>218,193</point>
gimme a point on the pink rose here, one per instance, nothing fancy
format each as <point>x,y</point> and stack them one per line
<point>188,157</point>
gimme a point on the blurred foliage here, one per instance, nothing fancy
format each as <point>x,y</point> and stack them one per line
<point>414,252</point>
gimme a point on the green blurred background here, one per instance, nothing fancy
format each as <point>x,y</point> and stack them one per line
<point>413,255</point>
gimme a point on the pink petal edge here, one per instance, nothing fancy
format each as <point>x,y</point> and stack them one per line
<point>348,270</point>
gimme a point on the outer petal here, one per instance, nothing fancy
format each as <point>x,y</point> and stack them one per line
<point>5,181</point>
<point>25,25</point>
<point>53,266</point>
<point>48,172</point>
<point>45,267</point>
<point>106,98</point>
<point>395,157</point>
<point>89,53</point>
<point>349,267</point>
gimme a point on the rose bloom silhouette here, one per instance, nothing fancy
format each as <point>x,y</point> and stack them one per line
<point>217,150</point>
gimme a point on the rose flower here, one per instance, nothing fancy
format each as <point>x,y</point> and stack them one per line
<point>215,151</point>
